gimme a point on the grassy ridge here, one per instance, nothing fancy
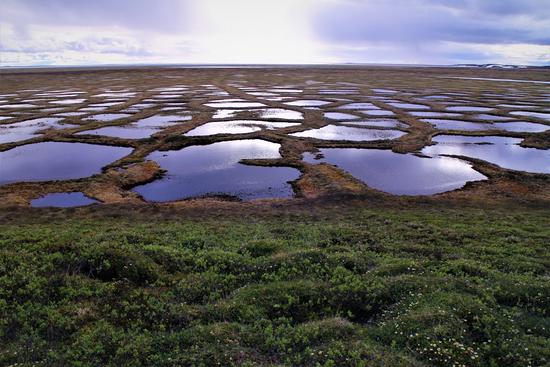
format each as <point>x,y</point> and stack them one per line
<point>370,287</point>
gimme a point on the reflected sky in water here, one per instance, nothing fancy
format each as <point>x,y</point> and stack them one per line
<point>502,151</point>
<point>56,161</point>
<point>215,169</point>
<point>237,127</point>
<point>400,174</point>
<point>332,132</point>
<point>29,129</point>
<point>63,200</point>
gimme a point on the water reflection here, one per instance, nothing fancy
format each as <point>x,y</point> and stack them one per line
<point>56,161</point>
<point>401,174</point>
<point>340,116</point>
<point>499,150</point>
<point>63,200</point>
<point>215,169</point>
<point>237,127</point>
<point>308,103</point>
<point>29,129</point>
<point>444,124</point>
<point>332,132</point>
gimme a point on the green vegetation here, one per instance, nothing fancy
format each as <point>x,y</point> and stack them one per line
<point>368,287</point>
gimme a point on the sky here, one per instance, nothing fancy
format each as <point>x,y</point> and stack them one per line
<point>442,32</point>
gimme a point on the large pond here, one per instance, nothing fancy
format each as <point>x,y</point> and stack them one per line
<point>400,174</point>
<point>56,161</point>
<point>499,150</point>
<point>215,169</point>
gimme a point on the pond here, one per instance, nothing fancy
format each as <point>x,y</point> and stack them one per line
<point>215,169</point>
<point>502,151</point>
<point>340,116</point>
<point>280,113</point>
<point>123,132</point>
<point>522,126</point>
<point>237,127</point>
<point>378,123</point>
<point>444,124</point>
<point>409,106</point>
<point>107,116</point>
<point>380,113</point>
<point>469,109</point>
<point>332,132</point>
<point>433,114</point>
<point>235,104</point>
<point>62,200</point>
<point>400,174</point>
<point>540,115</point>
<point>143,128</point>
<point>308,103</point>
<point>56,161</point>
<point>19,131</point>
<point>359,106</point>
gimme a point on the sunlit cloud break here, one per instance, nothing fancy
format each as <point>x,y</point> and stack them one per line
<point>78,32</point>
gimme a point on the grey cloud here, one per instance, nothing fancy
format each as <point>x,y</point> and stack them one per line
<point>158,16</point>
<point>421,21</point>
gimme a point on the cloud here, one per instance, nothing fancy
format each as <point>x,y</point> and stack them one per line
<point>283,31</point>
<point>157,16</point>
<point>423,30</point>
<point>420,21</point>
<point>93,32</point>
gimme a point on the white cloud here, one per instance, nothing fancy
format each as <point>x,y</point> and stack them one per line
<point>72,45</point>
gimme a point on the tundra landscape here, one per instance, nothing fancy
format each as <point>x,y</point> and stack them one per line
<point>272,183</point>
<point>388,216</point>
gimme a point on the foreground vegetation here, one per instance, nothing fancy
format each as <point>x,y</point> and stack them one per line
<point>368,287</point>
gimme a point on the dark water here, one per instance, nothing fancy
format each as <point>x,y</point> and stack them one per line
<point>56,161</point>
<point>63,200</point>
<point>400,174</point>
<point>499,150</point>
<point>215,169</point>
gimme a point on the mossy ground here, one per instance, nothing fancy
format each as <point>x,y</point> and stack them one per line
<point>343,286</point>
